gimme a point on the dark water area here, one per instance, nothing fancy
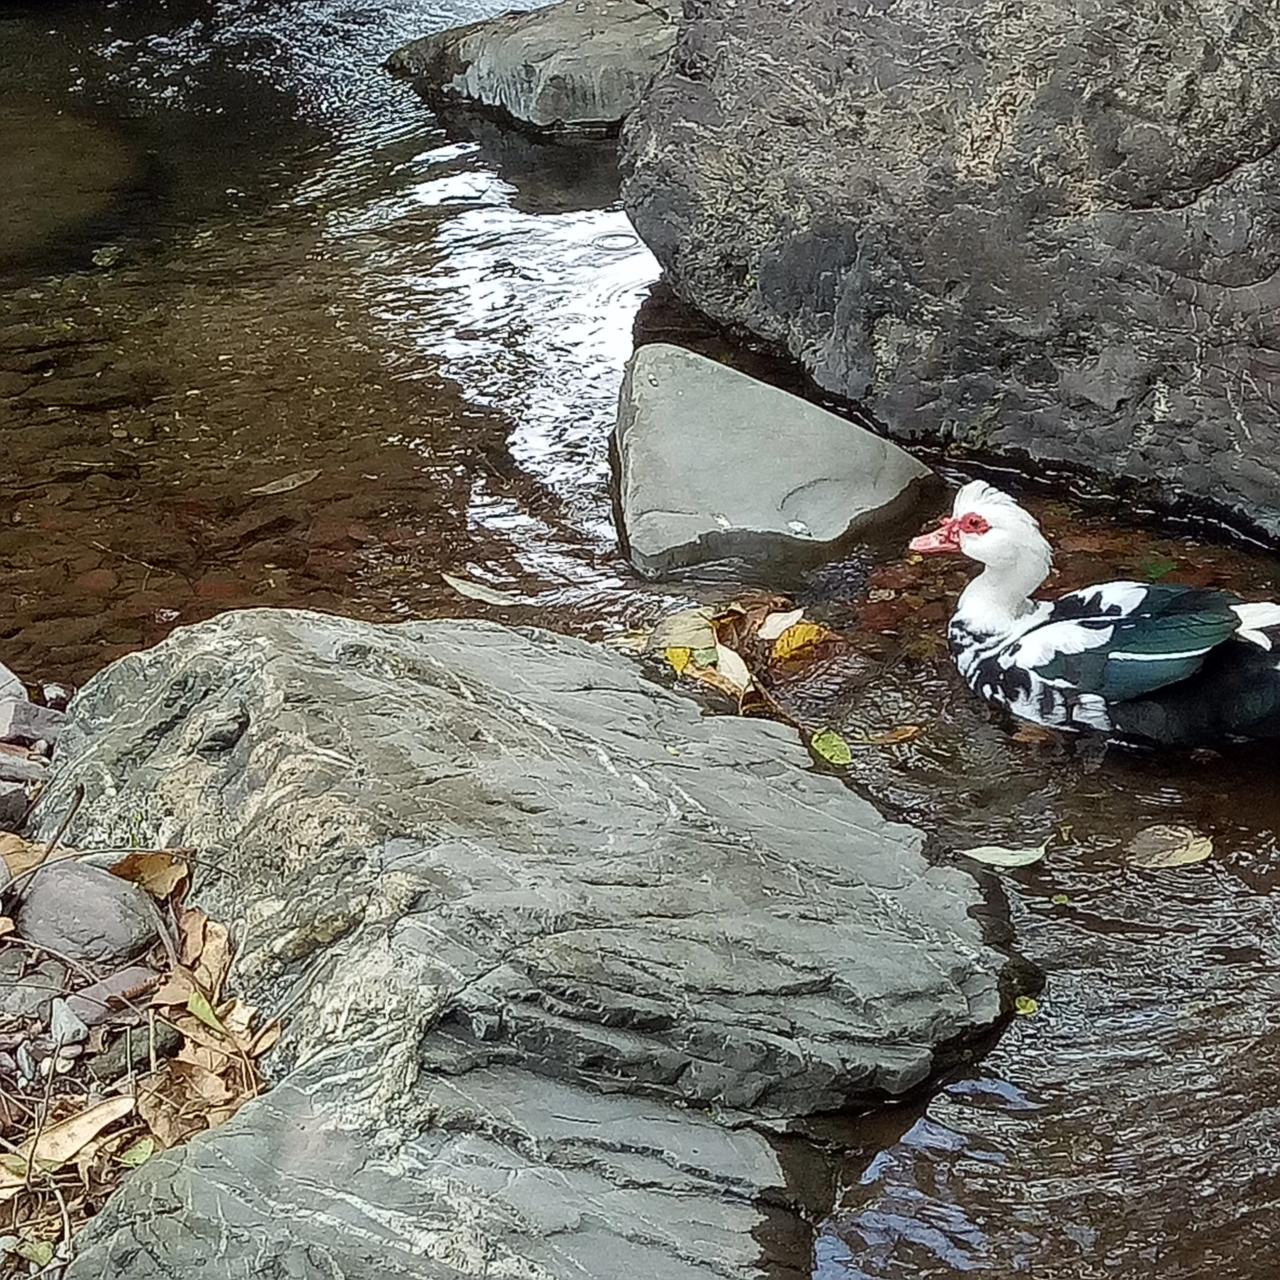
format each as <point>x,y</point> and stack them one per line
<point>235,252</point>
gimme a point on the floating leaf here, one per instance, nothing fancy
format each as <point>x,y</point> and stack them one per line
<point>1168,846</point>
<point>1026,1006</point>
<point>1060,900</point>
<point>995,855</point>
<point>1155,567</point>
<point>137,1153</point>
<point>776,623</point>
<point>159,872</point>
<point>831,747</point>
<point>796,638</point>
<point>679,658</point>
<point>199,1007</point>
<point>295,480</point>
<point>688,629</point>
<point>731,666</point>
<point>478,591</point>
<point>890,737</point>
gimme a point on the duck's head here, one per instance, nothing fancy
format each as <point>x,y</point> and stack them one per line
<point>987,525</point>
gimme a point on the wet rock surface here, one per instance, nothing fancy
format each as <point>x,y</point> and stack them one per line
<point>539,927</point>
<point>715,465</point>
<point>582,64</point>
<point>1045,231</point>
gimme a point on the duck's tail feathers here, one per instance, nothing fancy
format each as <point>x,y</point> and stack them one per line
<point>1259,623</point>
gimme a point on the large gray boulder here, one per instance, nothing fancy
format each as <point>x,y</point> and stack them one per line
<point>1048,231</point>
<point>714,465</point>
<point>581,64</point>
<point>551,946</point>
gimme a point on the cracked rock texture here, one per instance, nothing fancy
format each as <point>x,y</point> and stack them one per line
<point>1044,231</point>
<point>582,64</point>
<point>715,465</point>
<point>555,952</point>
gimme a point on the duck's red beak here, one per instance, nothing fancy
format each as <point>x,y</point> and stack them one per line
<point>945,538</point>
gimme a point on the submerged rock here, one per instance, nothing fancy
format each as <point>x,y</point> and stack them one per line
<point>1045,230</point>
<point>537,926</point>
<point>715,465</point>
<point>582,64</point>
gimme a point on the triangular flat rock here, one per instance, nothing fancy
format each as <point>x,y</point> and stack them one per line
<point>716,465</point>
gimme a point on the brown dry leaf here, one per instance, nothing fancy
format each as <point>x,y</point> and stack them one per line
<point>170,1112</point>
<point>890,737</point>
<point>6,925</point>
<point>62,1142</point>
<point>214,960</point>
<point>266,1039</point>
<point>159,873</point>
<point>202,1083</point>
<point>176,988</point>
<point>1035,734</point>
<point>191,926</point>
<point>237,1017</point>
<point>797,638</point>
<point>20,855</point>
<point>214,1060</point>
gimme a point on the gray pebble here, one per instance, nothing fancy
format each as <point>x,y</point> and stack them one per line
<point>85,913</point>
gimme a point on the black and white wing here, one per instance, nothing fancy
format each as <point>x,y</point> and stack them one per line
<point>1125,640</point>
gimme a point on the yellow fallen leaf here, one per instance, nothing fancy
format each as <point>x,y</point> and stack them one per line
<point>1026,1006</point>
<point>679,658</point>
<point>796,638</point>
<point>61,1142</point>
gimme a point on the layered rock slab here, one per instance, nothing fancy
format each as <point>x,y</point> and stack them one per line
<point>545,938</point>
<point>579,65</point>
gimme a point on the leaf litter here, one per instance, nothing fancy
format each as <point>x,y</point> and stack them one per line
<point>80,1115</point>
<point>745,650</point>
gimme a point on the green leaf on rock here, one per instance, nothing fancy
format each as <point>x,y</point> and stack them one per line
<point>139,1153</point>
<point>831,747</point>
<point>705,657</point>
<point>1026,1006</point>
<point>38,1251</point>
<point>996,855</point>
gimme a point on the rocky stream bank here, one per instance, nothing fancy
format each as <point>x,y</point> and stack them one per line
<point>561,961</point>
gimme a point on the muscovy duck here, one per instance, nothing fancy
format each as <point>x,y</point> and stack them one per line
<point>1145,663</point>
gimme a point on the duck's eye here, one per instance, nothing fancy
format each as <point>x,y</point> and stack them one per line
<point>973,523</point>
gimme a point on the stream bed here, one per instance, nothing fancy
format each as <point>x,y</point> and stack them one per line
<point>241,257</point>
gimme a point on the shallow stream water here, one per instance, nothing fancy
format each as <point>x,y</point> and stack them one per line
<point>239,253</point>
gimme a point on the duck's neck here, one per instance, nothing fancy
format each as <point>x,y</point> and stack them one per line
<point>995,601</point>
